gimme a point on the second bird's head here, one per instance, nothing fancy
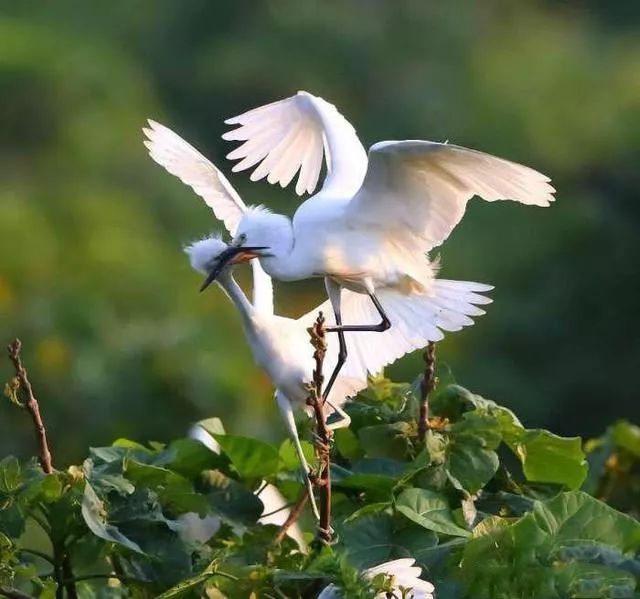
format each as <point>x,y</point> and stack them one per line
<point>213,257</point>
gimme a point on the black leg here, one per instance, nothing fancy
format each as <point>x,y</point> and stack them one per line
<point>384,324</point>
<point>342,358</point>
<point>341,329</point>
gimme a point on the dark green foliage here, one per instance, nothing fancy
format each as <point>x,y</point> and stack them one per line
<point>488,509</point>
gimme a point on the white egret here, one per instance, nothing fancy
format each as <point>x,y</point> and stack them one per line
<point>289,364</point>
<point>374,218</point>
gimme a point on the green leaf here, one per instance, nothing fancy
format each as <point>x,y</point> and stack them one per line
<point>386,440</point>
<point>289,458</point>
<point>95,515</point>
<point>469,465</point>
<point>250,457</point>
<point>430,510</point>
<point>373,539</point>
<point>549,458</point>
<point>368,510</point>
<point>10,475</point>
<point>347,444</point>
<point>230,499</point>
<point>182,587</point>
<point>188,457</point>
<point>570,546</point>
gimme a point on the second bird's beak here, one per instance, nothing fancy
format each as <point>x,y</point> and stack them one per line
<point>232,255</point>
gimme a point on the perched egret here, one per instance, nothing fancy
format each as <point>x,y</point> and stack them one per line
<point>374,218</point>
<point>280,345</point>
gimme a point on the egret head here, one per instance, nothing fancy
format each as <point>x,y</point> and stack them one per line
<point>260,234</point>
<point>213,257</point>
<point>261,227</point>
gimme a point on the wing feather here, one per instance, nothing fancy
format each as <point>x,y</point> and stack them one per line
<point>316,129</point>
<point>181,159</point>
<point>422,188</point>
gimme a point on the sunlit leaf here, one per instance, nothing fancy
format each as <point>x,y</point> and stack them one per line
<point>250,457</point>
<point>95,516</point>
<point>430,510</point>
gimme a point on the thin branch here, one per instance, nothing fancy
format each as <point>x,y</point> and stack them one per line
<point>323,433</point>
<point>62,558</point>
<point>426,387</point>
<point>12,593</point>
<point>31,405</point>
<point>296,510</point>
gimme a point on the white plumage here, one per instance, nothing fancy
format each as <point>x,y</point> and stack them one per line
<point>369,226</point>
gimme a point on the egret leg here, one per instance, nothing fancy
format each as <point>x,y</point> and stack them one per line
<point>381,327</point>
<point>333,290</point>
<point>287,414</point>
<point>343,421</point>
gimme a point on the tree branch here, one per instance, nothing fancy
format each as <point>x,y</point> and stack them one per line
<point>323,433</point>
<point>296,510</point>
<point>426,387</point>
<point>61,555</point>
<point>31,405</point>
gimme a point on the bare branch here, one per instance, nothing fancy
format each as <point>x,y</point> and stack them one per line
<point>323,433</point>
<point>426,387</point>
<point>31,405</point>
<point>296,510</point>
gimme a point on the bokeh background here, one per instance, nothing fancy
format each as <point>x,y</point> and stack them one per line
<point>92,277</point>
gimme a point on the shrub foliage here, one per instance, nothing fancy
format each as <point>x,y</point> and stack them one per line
<point>488,508</point>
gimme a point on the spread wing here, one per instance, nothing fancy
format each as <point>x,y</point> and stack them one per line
<point>421,188</point>
<point>294,135</point>
<point>181,159</point>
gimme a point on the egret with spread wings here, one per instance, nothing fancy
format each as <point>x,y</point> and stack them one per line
<point>375,217</point>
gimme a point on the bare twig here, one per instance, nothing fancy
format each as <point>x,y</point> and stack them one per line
<point>426,387</point>
<point>296,510</point>
<point>31,405</point>
<point>22,382</point>
<point>323,433</point>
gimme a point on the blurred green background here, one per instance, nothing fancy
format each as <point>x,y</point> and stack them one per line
<point>92,278</point>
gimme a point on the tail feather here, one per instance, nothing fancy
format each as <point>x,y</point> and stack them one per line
<point>415,321</point>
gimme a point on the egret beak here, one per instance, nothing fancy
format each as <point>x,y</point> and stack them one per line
<point>232,255</point>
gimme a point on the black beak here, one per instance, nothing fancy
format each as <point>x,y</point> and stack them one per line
<point>225,258</point>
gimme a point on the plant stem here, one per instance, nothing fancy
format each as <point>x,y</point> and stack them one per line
<point>323,443</point>
<point>426,387</point>
<point>31,405</point>
<point>293,516</point>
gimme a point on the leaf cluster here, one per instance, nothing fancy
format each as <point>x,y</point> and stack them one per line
<point>486,507</point>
